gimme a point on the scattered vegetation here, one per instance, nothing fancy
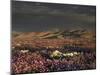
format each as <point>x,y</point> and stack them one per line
<point>53,51</point>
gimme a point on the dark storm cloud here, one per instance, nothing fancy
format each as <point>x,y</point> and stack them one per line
<point>36,7</point>
<point>35,16</point>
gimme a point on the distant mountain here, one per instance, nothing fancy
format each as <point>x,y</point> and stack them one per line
<point>61,34</point>
<point>64,34</point>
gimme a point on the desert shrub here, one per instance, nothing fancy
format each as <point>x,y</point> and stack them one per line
<point>56,54</point>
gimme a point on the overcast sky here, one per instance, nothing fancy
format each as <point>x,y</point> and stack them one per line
<point>35,16</point>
